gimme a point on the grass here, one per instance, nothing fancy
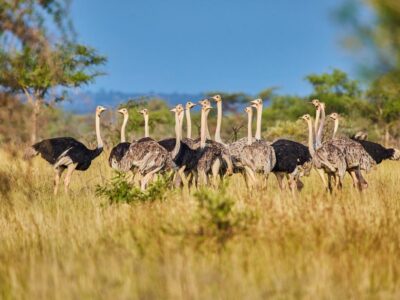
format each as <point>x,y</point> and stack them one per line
<point>82,245</point>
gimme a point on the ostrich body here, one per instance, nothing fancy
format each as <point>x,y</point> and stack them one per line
<point>377,151</point>
<point>119,151</point>
<point>357,158</point>
<point>149,157</point>
<point>67,153</point>
<point>258,156</point>
<point>327,158</point>
<point>292,158</point>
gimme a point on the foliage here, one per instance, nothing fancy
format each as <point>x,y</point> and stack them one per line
<point>217,214</point>
<point>120,190</point>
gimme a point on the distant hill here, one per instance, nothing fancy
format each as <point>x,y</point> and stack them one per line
<point>85,102</point>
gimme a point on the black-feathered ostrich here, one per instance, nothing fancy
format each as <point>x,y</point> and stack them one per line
<point>67,153</point>
<point>118,152</point>
<point>377,151</point>
<point>293,159</point>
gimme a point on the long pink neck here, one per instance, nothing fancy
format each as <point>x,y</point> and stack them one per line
<point>259,118</point>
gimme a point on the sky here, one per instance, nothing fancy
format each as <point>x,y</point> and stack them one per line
<point>195,46</point>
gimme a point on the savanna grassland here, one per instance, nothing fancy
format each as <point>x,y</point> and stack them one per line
<point>213,244</point>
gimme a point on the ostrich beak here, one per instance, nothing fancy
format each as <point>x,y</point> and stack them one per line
<point>120,111</point>
<point>173,110</point>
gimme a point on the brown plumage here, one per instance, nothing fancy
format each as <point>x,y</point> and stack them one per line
<point>326,158</point>
<point>148,157</point>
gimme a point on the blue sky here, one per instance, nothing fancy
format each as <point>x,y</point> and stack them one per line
<point>190,46</point>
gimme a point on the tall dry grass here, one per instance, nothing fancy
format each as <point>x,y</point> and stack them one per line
<point>80,246</point>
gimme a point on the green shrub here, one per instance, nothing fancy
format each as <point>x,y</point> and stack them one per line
<point>217,214</point>
<point>120,190</point>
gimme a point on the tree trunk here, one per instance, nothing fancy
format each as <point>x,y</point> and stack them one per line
<point>35,115</point>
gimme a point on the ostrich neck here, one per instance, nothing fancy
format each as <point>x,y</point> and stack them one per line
<point>259,117</point>
<point>219,121</point>
<point>146,126</point>
<point>335,129</point>
<point>208,135</point>
<point>189,124</point>
<point>203,129</point>
<point>249,133</point>
<point>310,138</point>
<point>318,138</point>
<point>317,115</point>
<point>176,149</point>
<point>123,138</point>
<point>98,136</point>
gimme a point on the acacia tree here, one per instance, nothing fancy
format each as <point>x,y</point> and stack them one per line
<point>36,75</point>
<point>39,66</point>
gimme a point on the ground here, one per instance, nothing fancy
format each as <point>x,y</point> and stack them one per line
<point>75,246</point>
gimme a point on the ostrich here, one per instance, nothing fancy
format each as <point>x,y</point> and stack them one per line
<point>292,159</point>
<point>120,150</point>
<point>377,151</point>
<point>149,157</point>
<point>357,158</point>
<point>67,153</point>
<point>326,158</point>
<point>258,156</point>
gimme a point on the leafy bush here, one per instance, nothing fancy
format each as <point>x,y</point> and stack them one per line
<point>217,214</point>
<point>120,190</point>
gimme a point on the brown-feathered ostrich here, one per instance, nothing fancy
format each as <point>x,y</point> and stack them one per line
<point>326,158</point>
<point>203,160</point>
<point>148,157</point>
<point>258,156</point>
<point>66,153</point>
<point>293,159</point>
<point>357,159</point>
<point>118,152</point>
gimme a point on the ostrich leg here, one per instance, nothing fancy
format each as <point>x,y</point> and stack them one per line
<point>321,175</point>
<point>70,169</point>
<point>146,178</point>
<point>57,178</point>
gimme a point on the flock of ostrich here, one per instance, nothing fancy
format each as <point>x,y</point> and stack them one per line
<point>199,161</point>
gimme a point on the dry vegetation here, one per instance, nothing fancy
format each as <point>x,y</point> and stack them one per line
<point>80,246</point>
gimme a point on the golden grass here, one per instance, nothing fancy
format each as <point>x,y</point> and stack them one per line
<point>318,246</point>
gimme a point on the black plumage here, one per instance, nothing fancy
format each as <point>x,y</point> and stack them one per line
<point>289,155</point>
<point>52,150</point>
<point>377,151</point>
<point>117,153</point>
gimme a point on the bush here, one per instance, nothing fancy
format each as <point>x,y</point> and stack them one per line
<point>217,214</point>
<point>120,190</point>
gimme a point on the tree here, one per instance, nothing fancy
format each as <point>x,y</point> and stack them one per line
<point>34,74</point>
<point>37,63</point>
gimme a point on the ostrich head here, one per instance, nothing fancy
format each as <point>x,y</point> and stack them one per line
<point>144,112</point>
<point>190,105</point>
<point>316,103</point>
<point>217,98</point>
<point>256,103</point>
<point>334,116</point>
<point>248,109</point>
<point>206,107</point>
<point>123,111</point>
<point>99,110</point>
<point>205,102</point>
<point>306,118</point>
<point>178,109</point>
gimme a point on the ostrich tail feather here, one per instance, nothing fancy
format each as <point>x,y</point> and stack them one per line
<point>29,153</point>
